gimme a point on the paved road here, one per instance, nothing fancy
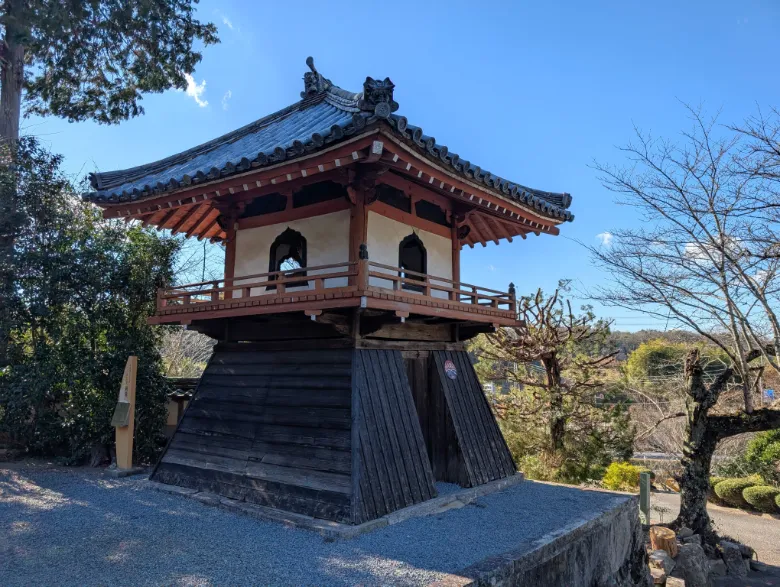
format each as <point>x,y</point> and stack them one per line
<point>761,531</point>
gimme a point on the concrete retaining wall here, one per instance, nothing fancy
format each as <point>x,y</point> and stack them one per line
<point>606,550</point>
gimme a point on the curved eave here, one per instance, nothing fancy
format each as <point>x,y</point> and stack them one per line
<point>120,188</point>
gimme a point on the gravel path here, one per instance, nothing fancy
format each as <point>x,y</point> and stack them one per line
<point>79,527</point>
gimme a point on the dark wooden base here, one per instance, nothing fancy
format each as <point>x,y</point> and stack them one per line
<point>343,434</point>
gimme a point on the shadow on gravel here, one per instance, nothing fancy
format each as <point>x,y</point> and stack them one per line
<point>78,527</point>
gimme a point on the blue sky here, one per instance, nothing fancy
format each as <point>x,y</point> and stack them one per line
<point>532,91</point>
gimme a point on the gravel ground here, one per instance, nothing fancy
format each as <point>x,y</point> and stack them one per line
<point>80,527</point>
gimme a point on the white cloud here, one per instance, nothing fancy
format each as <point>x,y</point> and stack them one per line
<point>225,99</point>
<point>491,268</point>
<point>605,238</point>
<point>226,22</point>
<point>196,90</point>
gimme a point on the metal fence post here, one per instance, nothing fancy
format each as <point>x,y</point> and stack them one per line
<point>644,497</point>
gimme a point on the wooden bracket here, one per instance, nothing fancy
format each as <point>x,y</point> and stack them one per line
<point>313,314</point>
<point>375,152</point>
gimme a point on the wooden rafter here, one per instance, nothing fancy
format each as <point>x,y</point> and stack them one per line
<point>499,228</point>
<point>165,219</point>
<point>199,220</point>
<point>484,228</point>
<point>178,226</point>
<point>209,226</point>
<point>463,190</point>
<point>478,236</point>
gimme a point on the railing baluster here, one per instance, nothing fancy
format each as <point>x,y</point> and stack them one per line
<point>319,283</point>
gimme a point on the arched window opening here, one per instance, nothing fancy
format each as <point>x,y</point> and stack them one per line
<point>288,254</point>
<point>412,257</point>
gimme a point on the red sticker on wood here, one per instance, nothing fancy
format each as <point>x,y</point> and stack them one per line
<point>450,370</point>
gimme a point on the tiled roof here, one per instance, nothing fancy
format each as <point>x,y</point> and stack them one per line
<point>325,115</point>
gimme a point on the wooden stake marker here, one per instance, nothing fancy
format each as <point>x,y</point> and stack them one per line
<point>124,421</point>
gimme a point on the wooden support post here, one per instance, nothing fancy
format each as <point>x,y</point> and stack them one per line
<point>358,220</point>
<point>124,416</point>
<point>455,258</point>
<point>230,254</point>
<point>362,268</point>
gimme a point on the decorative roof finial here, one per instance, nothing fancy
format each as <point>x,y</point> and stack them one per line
<point>378,97</point>
<point>313,81</point>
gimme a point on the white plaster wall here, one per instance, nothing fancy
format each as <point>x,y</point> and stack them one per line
<point>327,242</point>
<point>384,236</point>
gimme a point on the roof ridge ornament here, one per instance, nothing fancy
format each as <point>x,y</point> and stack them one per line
<point>313,81</point>
<point>378,97</point>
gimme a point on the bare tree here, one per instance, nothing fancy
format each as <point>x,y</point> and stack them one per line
<point>555,355</point>
<point>703,260</point>
<point>185,352</point>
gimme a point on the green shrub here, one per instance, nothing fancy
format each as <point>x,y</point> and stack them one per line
<point>712,497</point>
<point>762,497</point>
<point>777,501</point>
<point>622,477</point>
<point>730,490</point>
<point>762,455</point>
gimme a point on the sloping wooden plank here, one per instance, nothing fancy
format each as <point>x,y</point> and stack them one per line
<point>419,462</point>
<point>392,447</point>
<point>485,454</point>
<point>374,440</point>
<point>459,420</point>
<point>396,458</point>
<point>472,422</point>
<point>503,457</point>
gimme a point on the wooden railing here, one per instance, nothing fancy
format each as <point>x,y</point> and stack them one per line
<point>412,282</point>
<point>309,279</point>
<point>352,277</point>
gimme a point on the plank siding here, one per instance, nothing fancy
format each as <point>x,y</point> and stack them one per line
<point>272,428</point>
<point>392,469</point>
<point>485,454</point>
<point>347,435</point>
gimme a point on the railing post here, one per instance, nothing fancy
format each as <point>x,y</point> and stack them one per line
<point>161,301</point>
<point>512,297</point>
<point>214,293</point>
<point>362,271</point>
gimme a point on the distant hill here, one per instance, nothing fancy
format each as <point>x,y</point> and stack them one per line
<point>626,342</point>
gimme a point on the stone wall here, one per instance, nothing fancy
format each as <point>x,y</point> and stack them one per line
<point>606,550</point>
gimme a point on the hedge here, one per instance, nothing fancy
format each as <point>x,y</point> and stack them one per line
<point>730,490</point>
<point>762,497</point>
<point>711,495</point>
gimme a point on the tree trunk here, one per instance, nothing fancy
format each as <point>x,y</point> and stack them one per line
<point>695,481</point>
<point>703,432</point>
<point>699,447</point>
<point>557,418</point>
<point>11,82</point>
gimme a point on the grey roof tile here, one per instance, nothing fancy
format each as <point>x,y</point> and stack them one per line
<point>325,114</point>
